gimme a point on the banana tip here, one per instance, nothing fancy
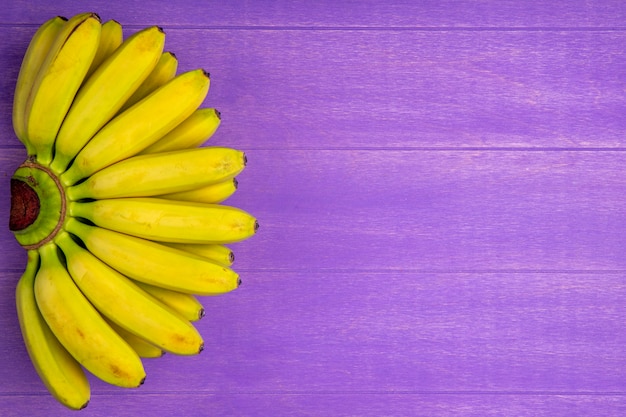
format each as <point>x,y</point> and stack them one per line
<point>256,226</point>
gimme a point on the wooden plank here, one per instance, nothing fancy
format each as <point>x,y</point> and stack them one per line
<point>422,210</point>
<point>397,13</point>
<point>318,333</point>
<point>227,404</point>
<point>338,89</point>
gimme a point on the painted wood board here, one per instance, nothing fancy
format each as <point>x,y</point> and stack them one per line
<point>439,186</point>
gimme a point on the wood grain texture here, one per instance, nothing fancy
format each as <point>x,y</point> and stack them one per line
<point>440,191</point>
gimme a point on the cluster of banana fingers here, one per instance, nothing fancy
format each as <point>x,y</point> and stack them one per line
<point>118,205</point>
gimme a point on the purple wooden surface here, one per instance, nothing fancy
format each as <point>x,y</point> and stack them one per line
<point>440,192</point>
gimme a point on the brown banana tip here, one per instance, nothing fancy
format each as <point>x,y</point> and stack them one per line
<point>256,226</point>
<point>218,114</point>
<point>207,73</point>
<point>245,159</point>
<point>82,407</point>
<point>142,381</point>
<point>65,18</point>
<point>239,282</point>
<point>172,54</point>
<point>96,16</point>
<point>201,348</point>
<point>231,257</point>
<point>201,313</point>
<point>235,183</point>
<point>161,29</point>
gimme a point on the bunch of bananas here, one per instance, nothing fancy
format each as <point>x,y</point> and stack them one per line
<point>117,204</point>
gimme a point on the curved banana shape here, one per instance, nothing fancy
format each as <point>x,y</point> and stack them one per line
<point>155,264</point>
<point>168,220</point>
<point>58,80</point>
<point>127,305</point>
<point>191,133</point>
<point>59,371</point>
<point>186,305</point>
<point>111,36</point>
<point>80,328</point>
<point>141,125</point>
<point>139,345</point>
<point>211,194</point>
<point>150,175</point>
<point>163,72</point>
<point>99,99</point>
<point>34,57</point>
<point>221,254</point>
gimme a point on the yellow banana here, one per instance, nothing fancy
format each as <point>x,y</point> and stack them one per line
<point>221,254</point>
<point>141,125</point>
<point>111,36</point>
<point>31,64</point>
<point>192,132</point>
<point>143,348</point>
<point>58,80</point>
<point>120,300</point>
<point>150,175</point>
<point>80,328</point>
<point>60,372</point>
<point>105,92</point>
<point>186,305</point>
<point>163,72</point>
<point>155,264</point>
<point>168,220</point>
<point>212,193</point>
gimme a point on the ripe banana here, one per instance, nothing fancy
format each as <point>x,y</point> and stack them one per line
<point>141,125</point>
<point>60,372</point>
<point>154,174</point>
<point>221,254</point>
<point>168,220</point>
<point>111,36</point>
<point>153,263</point>
<point>212,193</point>
<point>80,328</point>
<point>186,305</point>
<point>105,92</point>
<point>192,132</point>
<point>117,204</point>
<point>58,80</point>
<point>127,305</point>
<point>163,72</point>
<point>31,64</point>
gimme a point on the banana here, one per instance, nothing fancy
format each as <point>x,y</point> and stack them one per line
<point>60,372</point>
<point>153,263</point>
<point>221,254</point>
<point>111,36</point>
<point>184,304</point>
<point>105,92</point>
<point>212,193</point>
<point>150,175</point>
<point>124,303</point>
<point>139,345</point>
<point>163,72</point>
<point>58,80</point>
<point>168,220</point>
<point>192,132</point>
<point>80,328</point>
<point>141,125</point>
<point>34,57</point>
